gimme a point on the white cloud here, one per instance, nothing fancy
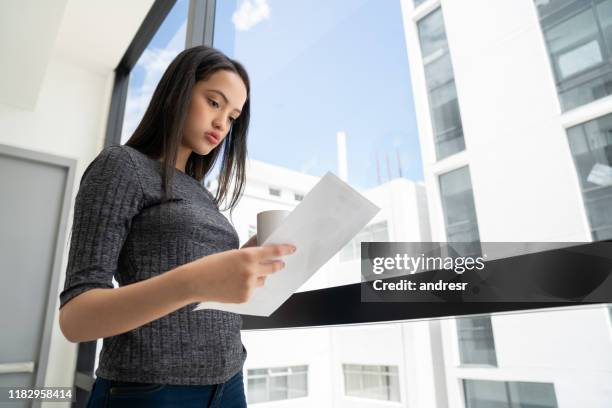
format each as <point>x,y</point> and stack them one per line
<point>250,13</point>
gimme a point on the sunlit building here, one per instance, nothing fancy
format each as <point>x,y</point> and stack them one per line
<point>514,123</point>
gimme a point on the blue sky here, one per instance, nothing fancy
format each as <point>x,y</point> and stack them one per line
<point>316,69</point>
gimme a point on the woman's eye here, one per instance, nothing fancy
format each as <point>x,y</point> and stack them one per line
<point>213,103</point>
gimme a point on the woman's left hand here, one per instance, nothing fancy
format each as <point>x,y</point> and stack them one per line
<point>251,242</point>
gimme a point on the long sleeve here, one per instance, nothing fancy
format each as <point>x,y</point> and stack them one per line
<point>109,196</point>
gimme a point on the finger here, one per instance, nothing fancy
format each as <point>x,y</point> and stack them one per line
<point>274,251</point>
<point>260,281</point>
<point>270,267</point>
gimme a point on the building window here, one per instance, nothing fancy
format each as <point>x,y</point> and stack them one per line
<point>591,147</point>
<point>417,3</point>
<point>252,231</point>
<point>274,192</point>
<point>371,233</point>
<point>440,82</point>
<point>610,311</point>
<point>476,342</point>
<point>484,393</point>
<point>298,197</point>
<point>371,381</point>
<point>273,384</point>
<point>578,35</point>
<point>459,210</point>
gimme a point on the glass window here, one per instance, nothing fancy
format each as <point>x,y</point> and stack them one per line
<point>418,2</point>
<point>578,36</point>
<point>371,381</point>
<point>274,192</point>
<point>591,147</point>
<point>476,342</point>
<point>439,77</point>
<point>484,394</point>
<point>298,197</point>
<point>169,40</point>
<point>459,210</point>
<point>274,384</point>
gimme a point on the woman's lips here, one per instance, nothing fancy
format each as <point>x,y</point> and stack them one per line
<point>212,138</point>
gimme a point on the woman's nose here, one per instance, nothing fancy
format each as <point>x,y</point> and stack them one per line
<point>218,124</point>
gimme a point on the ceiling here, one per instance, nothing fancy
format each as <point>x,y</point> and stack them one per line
<point>89,33</point>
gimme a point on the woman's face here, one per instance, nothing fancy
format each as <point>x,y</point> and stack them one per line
<point>215,104</point>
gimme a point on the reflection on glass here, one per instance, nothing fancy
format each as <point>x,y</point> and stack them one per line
<point>484,394</point>
<point>591,146</point>
<point>459,210</point>
<point>168,41</point>
<point>371,381</point>
<point>578,36</point>
<point>279,383</point>
<point>440,80</point>
<point>476,342</point>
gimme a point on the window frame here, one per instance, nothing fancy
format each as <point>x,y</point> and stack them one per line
<point>460,356</point>
<point>440,136</point>
<point>287,372</point>
<point>586,75</point>
<point>585,190</point>
<point>380,374</point>
<point>507,388</point>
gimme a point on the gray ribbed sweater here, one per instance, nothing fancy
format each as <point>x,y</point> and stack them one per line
<point>123,228</point>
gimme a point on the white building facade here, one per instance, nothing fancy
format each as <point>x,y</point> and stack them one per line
<point>513,105</point>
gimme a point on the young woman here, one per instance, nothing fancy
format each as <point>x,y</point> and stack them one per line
<point>143,216</point>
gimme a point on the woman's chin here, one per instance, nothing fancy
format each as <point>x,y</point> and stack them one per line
<point>203,150</point>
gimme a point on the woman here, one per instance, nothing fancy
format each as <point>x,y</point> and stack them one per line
<point>143,216</point>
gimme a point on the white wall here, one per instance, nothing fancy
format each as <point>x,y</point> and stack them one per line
<point>68,111</point>
<point>69,121</point>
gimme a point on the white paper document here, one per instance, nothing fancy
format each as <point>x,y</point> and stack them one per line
<point>328,217</point>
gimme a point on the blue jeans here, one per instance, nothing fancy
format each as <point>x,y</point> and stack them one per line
<point>111,394</point>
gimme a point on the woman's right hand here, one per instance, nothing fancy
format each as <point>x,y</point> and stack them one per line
<point>231,276</point>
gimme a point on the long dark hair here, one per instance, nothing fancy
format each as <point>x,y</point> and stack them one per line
<point>160,131</point>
